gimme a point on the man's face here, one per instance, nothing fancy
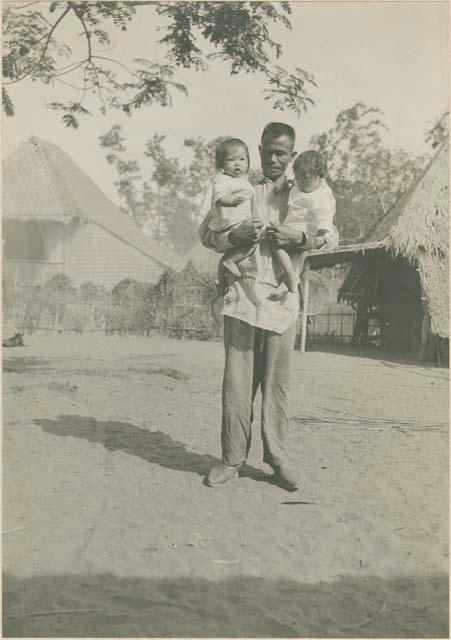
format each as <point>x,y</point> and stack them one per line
<point>275,154</point>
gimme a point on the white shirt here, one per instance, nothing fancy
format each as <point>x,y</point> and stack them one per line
<point>277,316</point>
<point>224,218</point>
<point>309,212</point>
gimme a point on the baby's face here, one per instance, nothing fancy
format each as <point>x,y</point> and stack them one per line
<point>307,183</point>
<point>235,162</point>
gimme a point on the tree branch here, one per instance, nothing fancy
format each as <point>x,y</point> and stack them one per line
<point>97,81</point>
<point>69,68</point>
<point>46,46</point>
<point>85,29</point>
<point>85,84</point>
<point>25,6</point>
<point>73,86</point>
<point>115,62</point>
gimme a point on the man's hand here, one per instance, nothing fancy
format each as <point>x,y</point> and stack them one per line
<point>236,200</point>
<point>321,239</point>
<point>248,232</point>
<point>284,237</point>
<point>326,240</point>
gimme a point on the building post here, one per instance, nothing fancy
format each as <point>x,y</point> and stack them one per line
<point>305,300</point>
<point>426,345</point>
<point>66,248</point>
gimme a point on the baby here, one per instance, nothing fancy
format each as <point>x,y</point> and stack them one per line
<point>311,209</point>
<point>233,201</point>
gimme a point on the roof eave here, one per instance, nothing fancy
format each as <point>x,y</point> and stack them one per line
<point>321,259</point>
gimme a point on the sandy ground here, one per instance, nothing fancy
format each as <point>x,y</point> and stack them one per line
<point>109,531</point>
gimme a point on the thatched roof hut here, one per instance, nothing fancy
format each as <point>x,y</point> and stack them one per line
<point>413,237</point>
<point>56,219</point>
<point>417,228</point>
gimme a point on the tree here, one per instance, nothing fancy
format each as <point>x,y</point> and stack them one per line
<point>366,178</point>
<point>167,205</point>
<point>202,167</point>
<point>237,33</point>
<point>178,303</point>
<point>130,184</point>
<point>439,132</point>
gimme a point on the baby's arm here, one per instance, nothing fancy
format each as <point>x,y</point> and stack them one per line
<point>324,216</point>
<point>223,195</point>
<point>229,200</point>
<point>326,235</point>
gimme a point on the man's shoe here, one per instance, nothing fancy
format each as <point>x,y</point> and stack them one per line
<point>222,473</point>
<point>286,477</point>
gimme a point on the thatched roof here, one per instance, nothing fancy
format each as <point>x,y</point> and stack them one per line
<point>419,222</point>
<point>416,228</point>
<point>41,182</point>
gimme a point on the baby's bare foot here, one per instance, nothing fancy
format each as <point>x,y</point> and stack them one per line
<point>291,281</point>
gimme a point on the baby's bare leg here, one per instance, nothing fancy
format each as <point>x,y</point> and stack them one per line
<point>291,278</point>
<point>229,264</point>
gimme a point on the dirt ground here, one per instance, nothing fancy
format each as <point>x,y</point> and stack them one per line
<point>108,530</point>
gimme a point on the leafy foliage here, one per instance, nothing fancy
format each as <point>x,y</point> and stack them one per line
<point>439,132</point>
<point>8,106</point>
<point>176,305</point>
<point>237,33</point>
<point>180,304</point>
<point>366,178</point>
<point>88,292</point>
<point>165,206</point>
<point>289,90</point>
<point>202,167</point>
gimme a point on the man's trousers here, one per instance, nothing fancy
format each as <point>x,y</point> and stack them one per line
<point>253,358</point>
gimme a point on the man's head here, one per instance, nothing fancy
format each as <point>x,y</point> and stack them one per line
<point>276,149</point>
<point>232,157</point>
<point>309,169</point>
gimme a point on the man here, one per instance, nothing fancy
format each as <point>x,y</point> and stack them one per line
<point>259,339</point>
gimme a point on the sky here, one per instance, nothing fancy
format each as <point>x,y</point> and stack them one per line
<point>392,55</point>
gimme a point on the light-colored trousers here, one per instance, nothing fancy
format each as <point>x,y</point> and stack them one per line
<point>255,357</point>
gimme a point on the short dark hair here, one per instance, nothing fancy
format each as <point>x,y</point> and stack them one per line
<point>311,163</point>
<point>224,146</point>
<point>277,129</point>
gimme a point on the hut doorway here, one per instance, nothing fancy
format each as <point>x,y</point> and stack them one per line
<point>23,240</point>
<point>386,295</point>
<point>400,307</point>
<point>33,251</point>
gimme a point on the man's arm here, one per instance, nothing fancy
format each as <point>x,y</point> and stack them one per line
<point>248,232</point>
<point>284,236</point>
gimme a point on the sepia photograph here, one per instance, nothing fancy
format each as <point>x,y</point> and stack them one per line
<point>225,319</point>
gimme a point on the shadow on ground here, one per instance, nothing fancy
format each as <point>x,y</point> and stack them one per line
<point>108,606</point>
<point>24,364</point>
<point>155,447</point>
<point>373,353</point>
